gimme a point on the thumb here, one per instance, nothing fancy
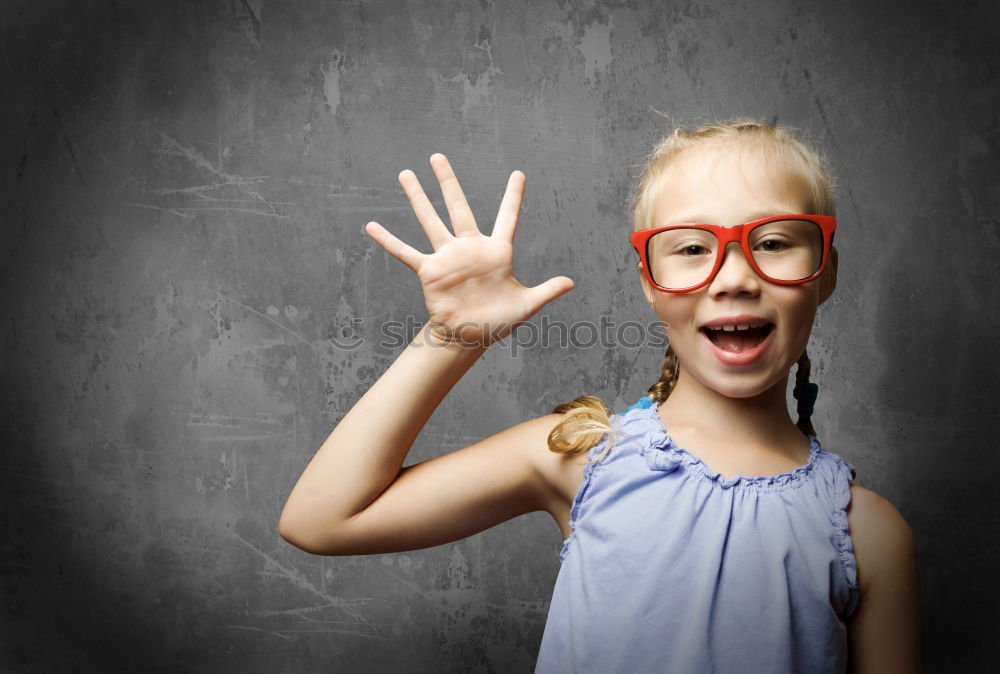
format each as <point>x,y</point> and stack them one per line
<point>543,293</point>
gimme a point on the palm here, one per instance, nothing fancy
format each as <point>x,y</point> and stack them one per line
<point>469,286</point>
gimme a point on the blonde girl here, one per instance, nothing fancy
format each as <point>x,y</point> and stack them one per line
<point>732,543</point>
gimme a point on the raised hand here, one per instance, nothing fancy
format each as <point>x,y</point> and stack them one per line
<point>469,287</point>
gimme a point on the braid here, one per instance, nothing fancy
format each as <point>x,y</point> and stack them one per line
<point>805,393</point>
<point>586,420</point>
<point>659,391</point>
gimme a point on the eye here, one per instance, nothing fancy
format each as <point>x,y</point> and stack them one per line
<point>693,249</point>
<point>771,246</point>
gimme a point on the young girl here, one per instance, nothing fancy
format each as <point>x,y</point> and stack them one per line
<point>731,543</point>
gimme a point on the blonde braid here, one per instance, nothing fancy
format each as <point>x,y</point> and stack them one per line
<point>586,420</point>
<point>659,391</point>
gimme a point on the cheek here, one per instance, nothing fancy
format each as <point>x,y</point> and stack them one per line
<point>677,312</point>
<point>799,313</point>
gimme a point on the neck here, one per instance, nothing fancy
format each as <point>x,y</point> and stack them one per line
<point>759,420</point>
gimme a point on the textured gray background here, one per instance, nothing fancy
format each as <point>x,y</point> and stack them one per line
<point>183,193</point>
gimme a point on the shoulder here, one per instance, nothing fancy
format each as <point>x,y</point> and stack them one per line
<point>884,630</point>
<point>883,542</point>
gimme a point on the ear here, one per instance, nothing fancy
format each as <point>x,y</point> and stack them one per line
<point>647,289</point>
<point>828,281</point>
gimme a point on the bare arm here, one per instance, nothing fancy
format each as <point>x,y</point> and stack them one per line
<point>884,632</point>
<point>353,497</point>
<point>365,451</point>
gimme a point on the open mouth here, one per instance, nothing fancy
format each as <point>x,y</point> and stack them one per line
<point>736,340</point>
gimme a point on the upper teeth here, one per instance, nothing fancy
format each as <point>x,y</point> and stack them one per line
<point>736,326</point>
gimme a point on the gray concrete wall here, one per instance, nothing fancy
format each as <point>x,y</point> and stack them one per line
<point>184,187</point>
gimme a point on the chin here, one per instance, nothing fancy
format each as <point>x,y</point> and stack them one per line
<point>740,390</point>
<point>736,386</point>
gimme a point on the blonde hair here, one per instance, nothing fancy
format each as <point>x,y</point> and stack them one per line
<point>587,419</point>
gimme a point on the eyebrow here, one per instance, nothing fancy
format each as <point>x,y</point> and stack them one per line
<point>700,219</point>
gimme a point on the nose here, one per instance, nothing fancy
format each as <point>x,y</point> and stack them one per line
<point>735,275</point>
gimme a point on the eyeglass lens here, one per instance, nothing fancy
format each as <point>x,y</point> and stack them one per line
<point>785,250</point>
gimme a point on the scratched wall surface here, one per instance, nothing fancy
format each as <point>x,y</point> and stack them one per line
<point>190,303</point>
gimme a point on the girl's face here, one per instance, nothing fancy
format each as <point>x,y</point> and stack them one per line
<point>720,186</point>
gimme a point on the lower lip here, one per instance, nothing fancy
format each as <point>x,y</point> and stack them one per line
<point>744,357</point>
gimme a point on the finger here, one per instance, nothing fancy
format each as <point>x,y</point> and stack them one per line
<point>544,293</point>
<point>462,220</point>
<point>403,252</point>
<point>436,231</point>
<point>510,208</point>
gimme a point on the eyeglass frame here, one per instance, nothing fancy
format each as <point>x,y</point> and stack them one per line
<point>740,234</point>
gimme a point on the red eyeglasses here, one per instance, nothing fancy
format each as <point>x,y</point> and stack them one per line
<point>784,249</point>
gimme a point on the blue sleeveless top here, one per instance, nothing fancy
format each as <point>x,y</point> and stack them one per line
<point>669,567</point>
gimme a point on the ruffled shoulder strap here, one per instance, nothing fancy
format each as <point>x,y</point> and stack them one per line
<point>839,476</point>
<point>627,426</point>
